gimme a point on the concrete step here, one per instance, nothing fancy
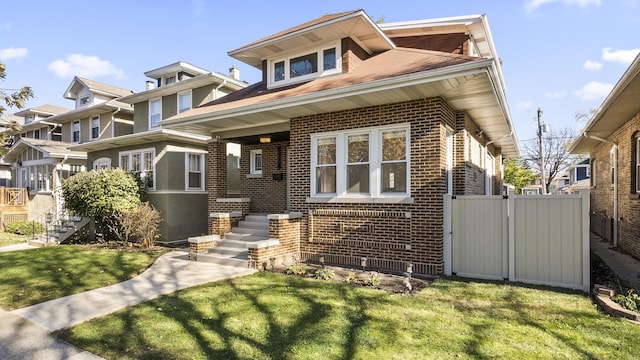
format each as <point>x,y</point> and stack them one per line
<point>257,218</point>
<point>253,225</point>
<point>255,232</point>
<point>240,260</point>
<point>243,237</point>
<point>238,244</point>
<point>226,250</point>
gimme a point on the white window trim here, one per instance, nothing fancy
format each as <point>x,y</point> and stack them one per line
<point>375,167</point>
<point>130,154</point>
<point>252,162</point>
<point>97,117</point>
<point>79,131</point>
<point>102,163</point>
<point>178,101</point>
<point>187,170</point>
<point>151,126</point>
<point>271,83</point>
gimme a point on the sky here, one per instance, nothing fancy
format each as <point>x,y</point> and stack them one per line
<point>563,56</point>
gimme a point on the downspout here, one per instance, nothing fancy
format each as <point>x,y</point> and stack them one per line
<point>215,94</point>
<point>55,125</point>
<point>615,185</point>
<point>113,122</point>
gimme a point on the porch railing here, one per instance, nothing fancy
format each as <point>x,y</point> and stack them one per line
<point>14,196</point>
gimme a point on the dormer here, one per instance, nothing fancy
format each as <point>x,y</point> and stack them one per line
<point>321,47</point>
<point>41,112</point>
<point>173,73</point>
<point>86,92</point>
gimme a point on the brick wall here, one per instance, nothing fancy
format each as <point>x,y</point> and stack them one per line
<point>603,193</point>
<point>267,195</point>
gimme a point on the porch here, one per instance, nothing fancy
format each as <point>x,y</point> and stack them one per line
<point>14,205</point>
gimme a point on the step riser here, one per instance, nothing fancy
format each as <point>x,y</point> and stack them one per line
<point>257,219</point>
<point>255,232</point>
<point>228,251</point>
<point>244,237</point>
<point>223,261</point>
<point>253,225</point>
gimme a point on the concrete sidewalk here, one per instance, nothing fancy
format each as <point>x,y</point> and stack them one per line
<point>625,266</point>
<point>25,333</point>
<point>17,247</point>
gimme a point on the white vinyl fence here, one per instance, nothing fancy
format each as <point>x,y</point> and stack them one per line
<point>532,239</point>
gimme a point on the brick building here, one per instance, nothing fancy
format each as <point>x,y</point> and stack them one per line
<point>612,139</point>
<point>354,135</point>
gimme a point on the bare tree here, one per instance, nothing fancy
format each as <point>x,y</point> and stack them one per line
<point>556,154</point>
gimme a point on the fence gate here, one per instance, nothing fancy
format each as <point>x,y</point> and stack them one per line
<point>532,239</point>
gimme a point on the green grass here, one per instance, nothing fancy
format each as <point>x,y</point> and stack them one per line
<point>33,276</point>
<point>272,316</point>
<point>10,239</point>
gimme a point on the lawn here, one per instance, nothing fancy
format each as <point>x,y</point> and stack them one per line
<point>10,239</point>
<point>273,316</point>
<point>33,276</point>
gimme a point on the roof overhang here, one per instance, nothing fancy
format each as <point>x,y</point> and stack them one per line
<point>183,85</point>
<point>141,138</point>
<point>175,68</point>
<point>473,87</point>
<point>48,152</point>
<point>98,109</point>
<point>620,106</point>
<point>356,25</point>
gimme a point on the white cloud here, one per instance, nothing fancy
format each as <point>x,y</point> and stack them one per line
<point>525,105</point>
<point>556,95</point>
<point>13,53</point>
<point>534,4</point>
<point>84,65</point>
<point>594,91</point>
<point>592,65</point>
<point>621,56</point>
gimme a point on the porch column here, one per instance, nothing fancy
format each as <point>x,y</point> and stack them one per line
<point>216,174</point>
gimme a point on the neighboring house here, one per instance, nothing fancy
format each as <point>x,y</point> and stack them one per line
<point>612,140</point>
<point>354,136</point>
<point>579,171</point>
<point>5,169</point>
<point>170,163</point>
<point>41,159</point>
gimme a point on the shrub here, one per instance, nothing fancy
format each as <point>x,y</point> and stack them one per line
<point>372,279</point>
<point>139,224</point>
<point>631,301</point>
<point>325,274</point>
<point>351,278</point>
<point>297,268</point>
<point>24,227</point>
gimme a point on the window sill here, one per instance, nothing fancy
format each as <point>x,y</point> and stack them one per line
<point>254,176</point>
<point>634,196</point>
<point>361,200</point>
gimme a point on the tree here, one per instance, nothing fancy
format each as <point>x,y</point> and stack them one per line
<point>556,154</point>
<point>517,173</point>
<point>16,99</point>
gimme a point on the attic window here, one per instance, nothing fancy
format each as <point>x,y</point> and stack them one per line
<point>84,101</point>
<point>305,66</point>
<point>169,80</point>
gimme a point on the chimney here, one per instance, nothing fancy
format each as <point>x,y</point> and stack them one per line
<point>234,73</point>
<point>149,85</point>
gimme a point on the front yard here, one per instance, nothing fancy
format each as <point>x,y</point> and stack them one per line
<point>274,316</point>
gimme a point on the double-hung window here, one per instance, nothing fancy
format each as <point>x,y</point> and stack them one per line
<point>184,101</point>
<point>155,112</point>
<point>141,163</point>
<point>195,173</point>
<point>366,163</point>
<point>75,131</point>
<point>95,127</point>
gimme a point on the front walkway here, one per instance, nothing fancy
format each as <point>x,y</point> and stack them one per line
<point>25,333</point>
<point>625,266</point>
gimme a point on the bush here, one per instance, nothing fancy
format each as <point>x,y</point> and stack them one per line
<point>139,224</point>
<point>24,227</point>
<point>372,279</point>
<point>630,302</point>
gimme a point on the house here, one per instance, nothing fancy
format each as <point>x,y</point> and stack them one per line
<point>170,163</point>
<point>6,121</point>
<point>40,159</point>
<point>612,140</point>
<point>353,137</point>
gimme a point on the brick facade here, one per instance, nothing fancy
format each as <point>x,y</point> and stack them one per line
<point>267,194</point>
<point>602,194</point>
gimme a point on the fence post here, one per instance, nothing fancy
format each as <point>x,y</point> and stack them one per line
<point>511,209</point>
<point>586,244</point>
<point>446,253</point>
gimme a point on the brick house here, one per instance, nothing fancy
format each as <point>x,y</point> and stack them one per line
<point>612,139</point>
<point>352,138</point>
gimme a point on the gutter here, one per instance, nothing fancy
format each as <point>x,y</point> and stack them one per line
<point>615,184</point>
<point>113,122</point>
<point>217,89</point>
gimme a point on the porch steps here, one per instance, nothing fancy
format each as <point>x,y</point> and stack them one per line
<point>231,250</point>
<point>61,231</point>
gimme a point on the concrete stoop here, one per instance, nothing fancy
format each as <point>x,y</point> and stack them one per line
<point>231,250</point>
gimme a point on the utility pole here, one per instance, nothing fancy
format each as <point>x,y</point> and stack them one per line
<point>542,179</point>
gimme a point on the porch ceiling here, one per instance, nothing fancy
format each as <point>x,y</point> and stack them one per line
<point>471,91</point>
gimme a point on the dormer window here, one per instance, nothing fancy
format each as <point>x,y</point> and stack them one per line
<point>84,101</point>
<point>28,119</point>
<point>305,66</point>
<point>169,80</point>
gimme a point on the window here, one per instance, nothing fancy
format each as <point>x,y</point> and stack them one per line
<point>361,163</point>
<point>102,163</point>
<point>255,162</point>
<point>155,112</point>
<point>28,119</point>
<point>305,66</point>
<point>56,133</point>
<point>195,175</point>
<point>169,80</point>
<point>142,163</point>
<point>75,132</point>
<point>184,101</point>
<point>84,101</point>
<point>95,127</point>
<point>593,172</point>
<point>612,162</point>
<point>36,134</point>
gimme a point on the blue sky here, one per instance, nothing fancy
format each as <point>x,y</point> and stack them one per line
<point>563,56</point>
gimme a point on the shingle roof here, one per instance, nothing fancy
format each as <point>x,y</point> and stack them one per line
<point>44,109</point>
<point>55,149</point>
<point>100,86</point>
<point>392,63</point>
